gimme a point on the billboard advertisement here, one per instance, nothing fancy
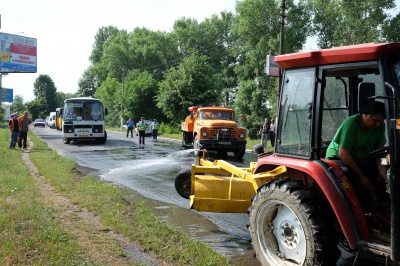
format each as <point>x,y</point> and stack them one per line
<point>7,95</point>
<point>18,54</point>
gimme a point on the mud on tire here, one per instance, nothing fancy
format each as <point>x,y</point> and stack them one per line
<point>287,227</point>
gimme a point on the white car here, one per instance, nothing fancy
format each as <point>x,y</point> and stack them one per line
<point>148,130</point>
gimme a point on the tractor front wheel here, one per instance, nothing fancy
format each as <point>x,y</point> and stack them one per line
<point>183,183</point>
<point>287,227</point>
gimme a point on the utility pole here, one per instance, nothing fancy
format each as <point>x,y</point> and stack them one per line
<point>282,39</point>
<point>122,98</point>
<point>281,45</point>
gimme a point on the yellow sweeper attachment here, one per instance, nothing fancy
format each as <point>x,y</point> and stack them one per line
<point>222,187</point>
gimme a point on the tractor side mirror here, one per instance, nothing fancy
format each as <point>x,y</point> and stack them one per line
<point>366,91</point>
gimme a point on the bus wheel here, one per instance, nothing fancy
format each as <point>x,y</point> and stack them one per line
<point>66,140</point>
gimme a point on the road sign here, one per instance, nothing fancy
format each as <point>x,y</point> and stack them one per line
<point>7,95</point>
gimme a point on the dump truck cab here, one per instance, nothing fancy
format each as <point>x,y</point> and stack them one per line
<point>300,204</point>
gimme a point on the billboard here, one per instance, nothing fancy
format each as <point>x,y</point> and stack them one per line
<point>7,95</point>
<point>18,54</point>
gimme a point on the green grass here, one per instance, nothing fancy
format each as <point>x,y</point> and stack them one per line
<point>33,234</point>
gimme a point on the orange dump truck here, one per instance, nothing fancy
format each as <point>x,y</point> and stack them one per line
<point>214,129</point>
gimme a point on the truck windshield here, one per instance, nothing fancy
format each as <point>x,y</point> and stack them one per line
<point>83,111</point>
<point>222,115</point>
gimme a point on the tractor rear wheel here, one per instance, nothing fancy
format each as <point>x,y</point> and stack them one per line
<point>183,183</point>
<point>287,227</point>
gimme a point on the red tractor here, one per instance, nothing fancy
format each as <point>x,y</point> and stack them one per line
<point>301,205</point>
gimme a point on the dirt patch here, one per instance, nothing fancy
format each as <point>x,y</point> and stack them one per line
<point>100,242</point>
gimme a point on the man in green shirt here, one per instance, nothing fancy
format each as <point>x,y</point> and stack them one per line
<point>355,139</point>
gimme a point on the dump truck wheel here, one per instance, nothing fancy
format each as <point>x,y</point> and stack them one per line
<point>183,183</point>
<point>239,153</point>
<point>287,228</point>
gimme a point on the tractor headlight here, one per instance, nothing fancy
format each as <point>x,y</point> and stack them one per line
<point>204,134</point>
<point>241,135</point>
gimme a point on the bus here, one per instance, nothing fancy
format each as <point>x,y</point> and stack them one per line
<point>83,118</point>
<point>59,115</point>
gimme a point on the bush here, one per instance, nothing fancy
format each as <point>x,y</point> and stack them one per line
<point>168,129</point>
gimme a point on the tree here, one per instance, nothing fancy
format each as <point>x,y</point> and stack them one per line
<point>108,92</point>
<point>258,33</point>
<point>45,91</point>
<point>18,104</point>
<point>88,83</point>
<point>193,82</point>
<point>38,108</point>
<point>343,22</point>
<point>102,36</point>
<point>391,29</point>
<point>140,96</point>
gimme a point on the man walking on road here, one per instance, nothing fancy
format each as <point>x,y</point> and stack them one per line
<point>142,130</point>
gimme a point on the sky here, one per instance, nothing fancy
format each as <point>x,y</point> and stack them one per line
<point>65,31</point>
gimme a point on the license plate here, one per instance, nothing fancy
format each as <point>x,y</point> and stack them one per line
<point>224,143</point>
<point>84,136</point>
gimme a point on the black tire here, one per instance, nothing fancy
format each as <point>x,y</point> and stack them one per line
<point>103,139</point>
<point>239,153</point>
<point>287,227</point>
<point>183,183</point>
<point>66,140</point>
<point>222,154</point>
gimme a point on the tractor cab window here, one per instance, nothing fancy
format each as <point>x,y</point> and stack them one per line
<point>339,96</point>
<point>294,128</point>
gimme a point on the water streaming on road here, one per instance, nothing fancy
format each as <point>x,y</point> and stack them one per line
<point>153,178</point>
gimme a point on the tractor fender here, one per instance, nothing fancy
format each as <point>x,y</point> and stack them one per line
<point>334,184</point>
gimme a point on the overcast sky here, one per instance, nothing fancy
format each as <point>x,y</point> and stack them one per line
<point>65,31</point>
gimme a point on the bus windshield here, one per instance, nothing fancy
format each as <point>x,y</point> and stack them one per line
<point>83,111</point>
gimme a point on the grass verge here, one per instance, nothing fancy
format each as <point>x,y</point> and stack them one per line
<point>34,235</point>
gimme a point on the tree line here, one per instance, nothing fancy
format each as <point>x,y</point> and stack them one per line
<point>220,61</point>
